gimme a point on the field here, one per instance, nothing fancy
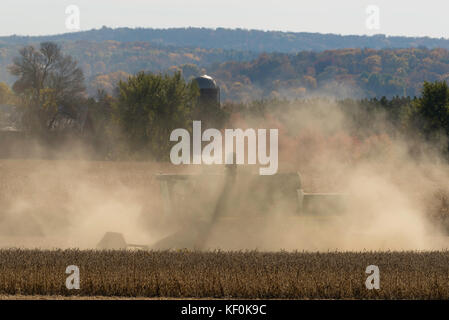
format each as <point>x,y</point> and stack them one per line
<point>48,208</point>
<point>403,275</point>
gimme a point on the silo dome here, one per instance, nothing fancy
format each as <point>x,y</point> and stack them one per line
<point>209,90</point>
<point>206,82</point>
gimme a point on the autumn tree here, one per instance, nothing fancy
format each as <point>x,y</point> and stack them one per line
<point>149,107</point>
<point>47,79</point>
<point>429,115</point>
<point>6,94</point>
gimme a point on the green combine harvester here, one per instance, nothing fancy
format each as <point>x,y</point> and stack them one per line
<point>199,202</point>
<point>230,196</point>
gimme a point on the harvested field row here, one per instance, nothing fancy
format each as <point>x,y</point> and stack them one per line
<point>403,275</point>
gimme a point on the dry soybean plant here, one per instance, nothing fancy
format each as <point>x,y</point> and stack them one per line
<point>218,274</point>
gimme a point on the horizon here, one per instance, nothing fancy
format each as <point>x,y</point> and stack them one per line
<point>353,17</point>
<point>216,28</point>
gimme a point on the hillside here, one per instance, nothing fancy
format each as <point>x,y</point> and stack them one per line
<point>245,64</point>
<point>238,39</point>
<point>356,73</point>
<point>97,58</point>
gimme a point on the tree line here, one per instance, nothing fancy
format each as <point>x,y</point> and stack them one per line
<point>248,75</point>
<point>135,120</point>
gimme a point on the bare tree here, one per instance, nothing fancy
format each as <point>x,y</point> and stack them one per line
<point>46,80</point>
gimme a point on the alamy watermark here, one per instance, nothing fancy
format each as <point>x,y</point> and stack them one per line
<point>214,153</point>
<point>372,21</point>
<point>72,21</point>
<point>73,280</point>
<point>373,280</point>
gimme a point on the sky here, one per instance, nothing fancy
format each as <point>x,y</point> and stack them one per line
<point>390,17</point>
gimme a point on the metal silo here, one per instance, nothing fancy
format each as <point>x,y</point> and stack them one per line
<point>209,90</point>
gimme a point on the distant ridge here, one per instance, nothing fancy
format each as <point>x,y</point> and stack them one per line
<point>251,64</point>
<point>238,39</point>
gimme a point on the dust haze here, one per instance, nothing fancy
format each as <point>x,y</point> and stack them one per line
<point>395,196</point>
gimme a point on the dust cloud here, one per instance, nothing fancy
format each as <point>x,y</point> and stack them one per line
<point>394,198</point>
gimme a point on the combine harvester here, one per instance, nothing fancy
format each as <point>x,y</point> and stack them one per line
<point>231,199</point>
<point>200,203</point>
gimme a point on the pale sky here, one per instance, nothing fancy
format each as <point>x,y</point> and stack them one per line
<point>396,17</point>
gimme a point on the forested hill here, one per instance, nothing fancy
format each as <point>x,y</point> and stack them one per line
<point>238,39</point>
<point>108,55</point>
<point>356,73</point>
